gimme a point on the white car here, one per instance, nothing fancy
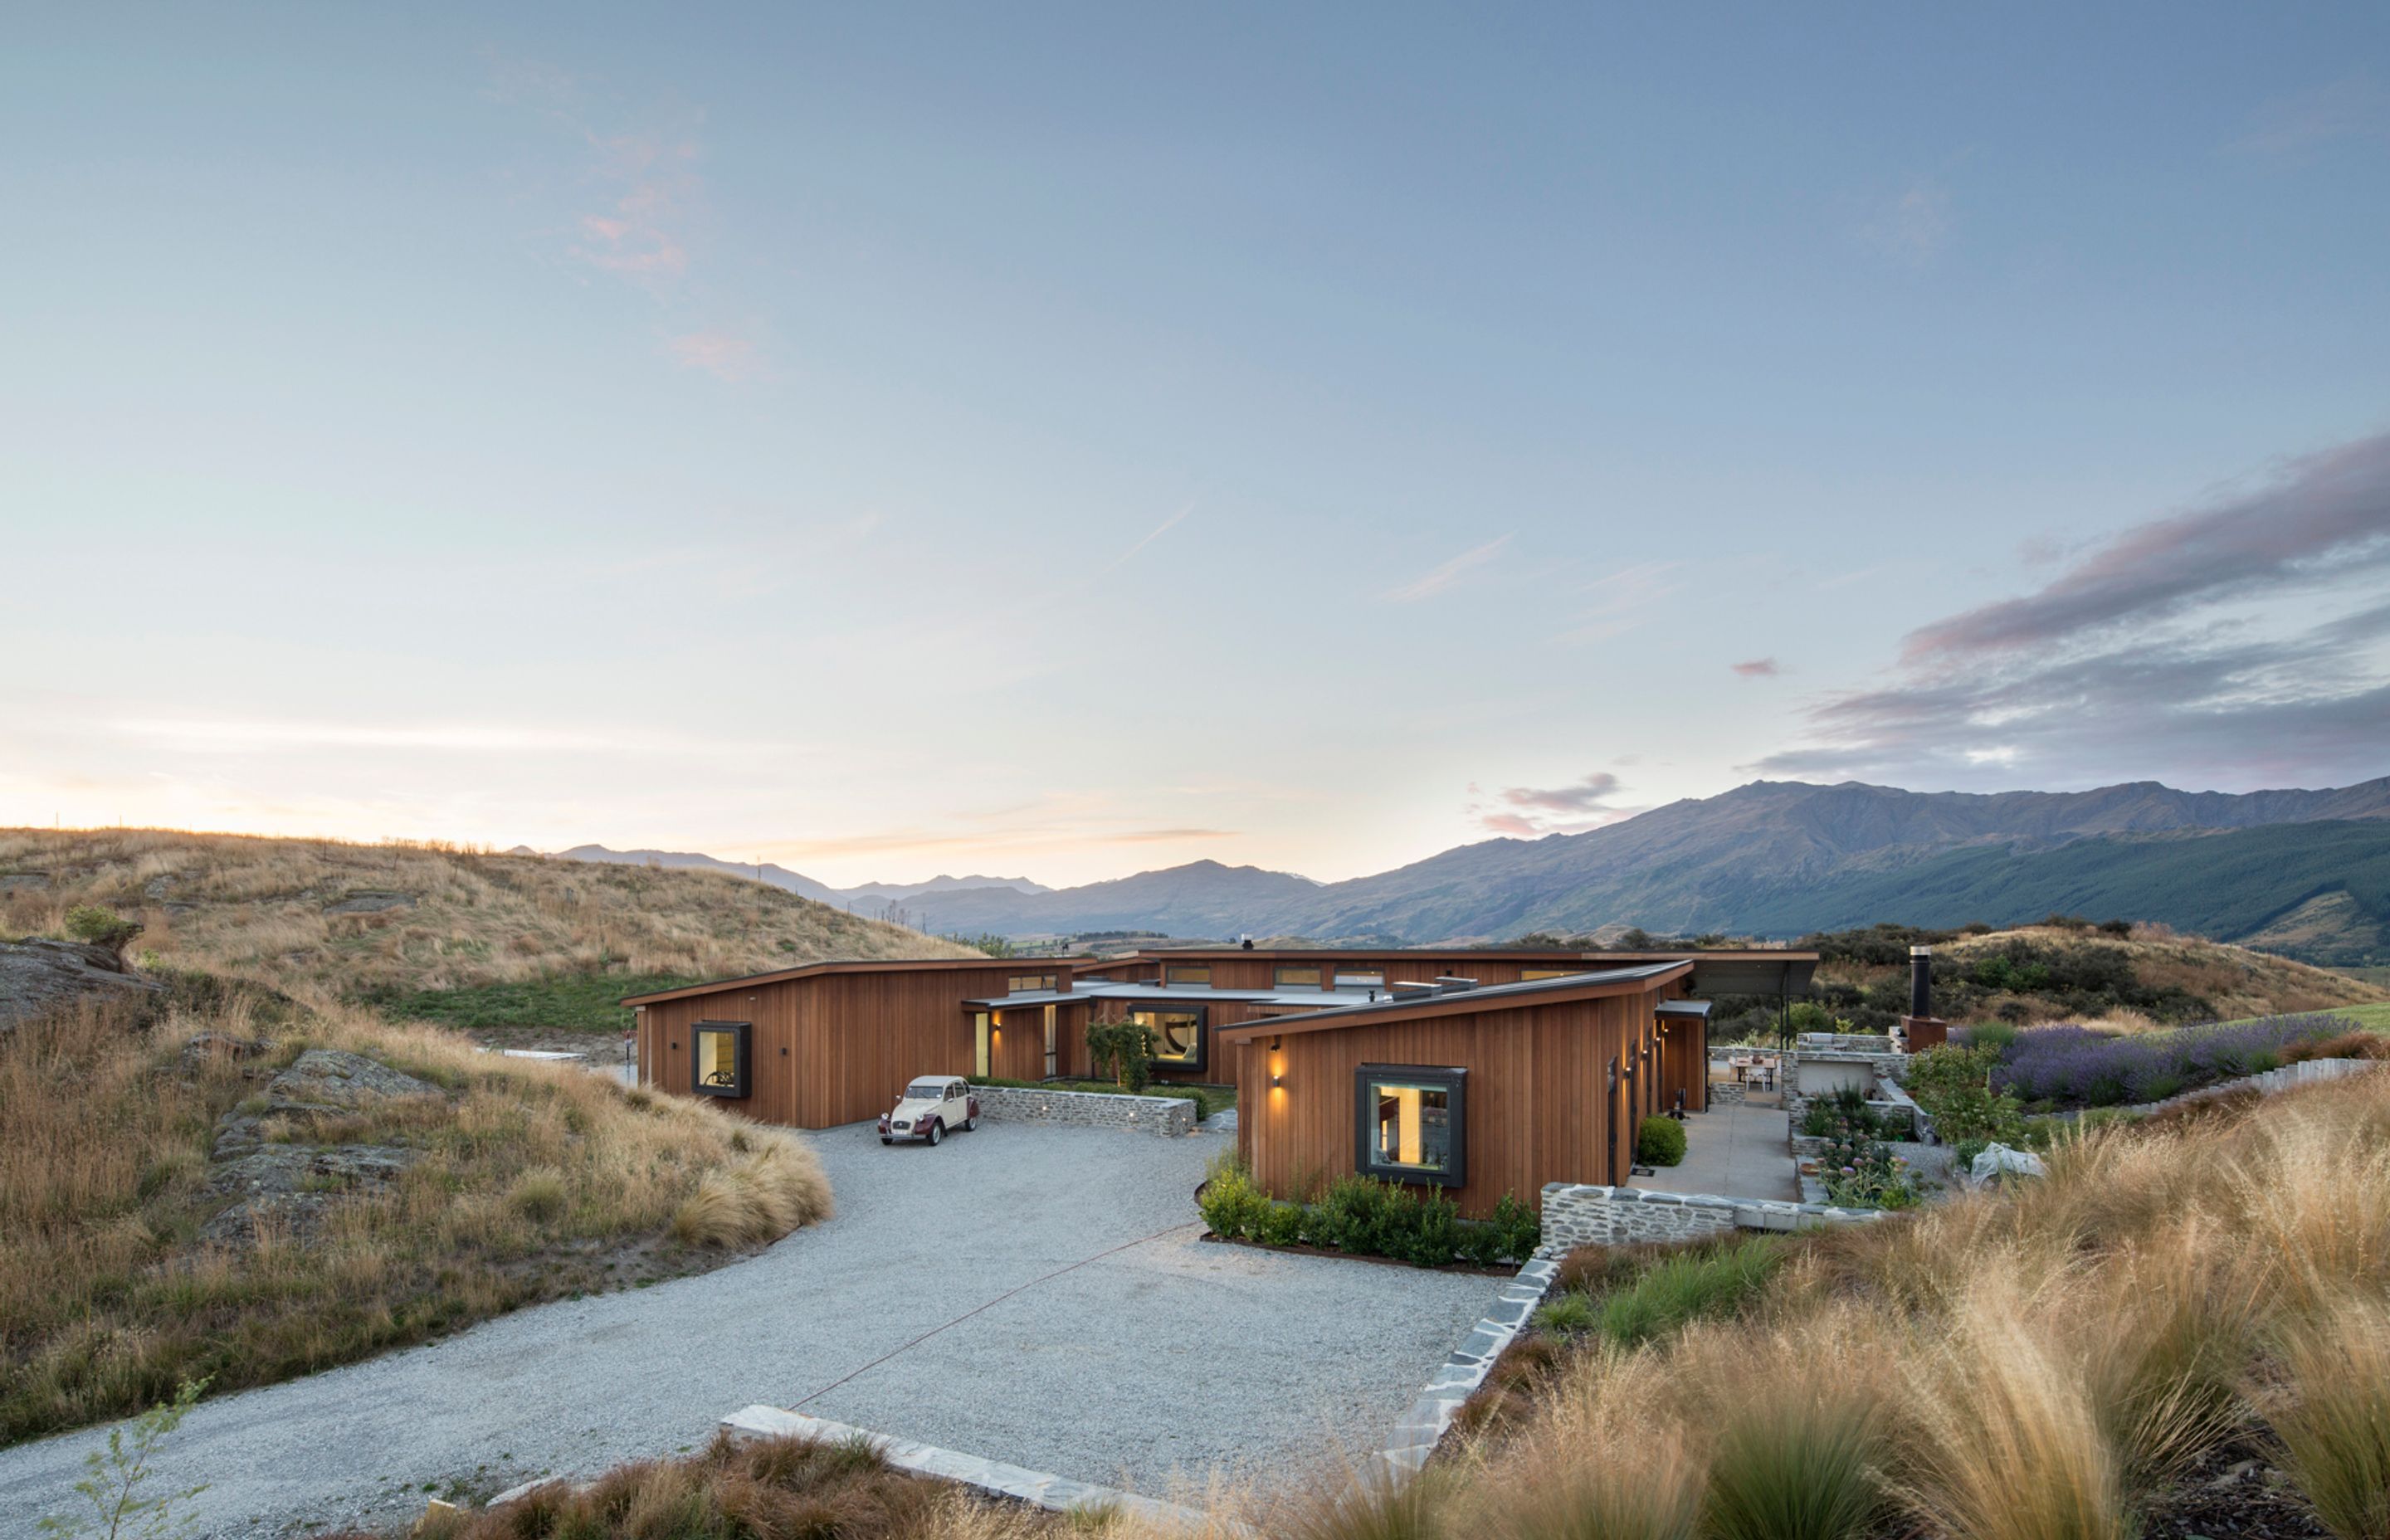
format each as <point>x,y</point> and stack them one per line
<point>931,1106</point>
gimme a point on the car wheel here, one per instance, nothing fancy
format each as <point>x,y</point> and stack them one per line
<point>970,1123</point>
<point>937,1131</point>
<point>886,1140</point>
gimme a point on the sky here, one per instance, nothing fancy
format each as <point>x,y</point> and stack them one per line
<point>1067,441</point>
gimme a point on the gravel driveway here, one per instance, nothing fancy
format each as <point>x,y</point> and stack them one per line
<point>1153,1351</point>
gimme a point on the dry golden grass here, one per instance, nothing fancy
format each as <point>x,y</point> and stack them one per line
<point>2237,982</point>
<point>533,1180</point>
<point>262,909</point>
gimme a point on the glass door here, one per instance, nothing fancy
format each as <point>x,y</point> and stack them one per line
<point>979,1048</point>
<point>1051,1013</point>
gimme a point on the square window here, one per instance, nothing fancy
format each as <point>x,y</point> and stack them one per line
<point>720,1058</point>
<point>1177,1036</point>
<point>1412,1124</point>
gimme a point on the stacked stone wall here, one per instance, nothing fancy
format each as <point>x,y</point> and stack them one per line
<point>1163,1115</point>
<point>1577,1215</point>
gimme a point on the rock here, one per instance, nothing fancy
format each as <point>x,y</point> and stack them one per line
<point>160,886</point>
<point>219,1045</point>
<point>370,901</point>
<point>38,975</point>
<point>1999,1158</point>
<point>321,1082</point>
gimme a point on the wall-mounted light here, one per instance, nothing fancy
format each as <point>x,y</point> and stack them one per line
<point>1277,1080</point>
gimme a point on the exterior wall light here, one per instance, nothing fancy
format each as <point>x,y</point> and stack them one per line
<point>1277,1080</point>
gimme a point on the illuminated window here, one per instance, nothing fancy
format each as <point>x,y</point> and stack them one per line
<point>1410,1124</point>
<point>1361,978</point>
<point>1187,973</point>
<point>1028,983</point>
<point>720,1058</point>
<point>1529,975</point>
<point>1177,1036</point>
<point>1298,978</point>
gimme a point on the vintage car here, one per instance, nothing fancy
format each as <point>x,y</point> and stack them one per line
<point>931,1108</point>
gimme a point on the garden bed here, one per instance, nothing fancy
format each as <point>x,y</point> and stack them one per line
<point>1356,1216</point>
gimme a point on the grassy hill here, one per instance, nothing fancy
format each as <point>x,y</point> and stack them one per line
<point>2048,973</point>
<point>467,938</point>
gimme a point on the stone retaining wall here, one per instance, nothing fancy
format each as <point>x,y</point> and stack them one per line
<point>1834,1042</point>
<point>1422,1428</point>
<point>1584,1215</point>
<point>1163,1115</point>
<point>2307,1072</point>
<point>1725,1093</point>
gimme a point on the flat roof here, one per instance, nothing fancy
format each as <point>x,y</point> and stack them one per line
<point>835,965</point>
<point>1613,981</point>
<point>1722,970</point>
<point>1684,1007</point>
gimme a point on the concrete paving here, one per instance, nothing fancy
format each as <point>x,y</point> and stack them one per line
<point>1733,1151</point>
<point>1027,1293</point>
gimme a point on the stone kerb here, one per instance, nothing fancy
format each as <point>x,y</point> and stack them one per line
<point>1578,1214</point>
<point>1162,1115</point>
<point>1422,1428</point>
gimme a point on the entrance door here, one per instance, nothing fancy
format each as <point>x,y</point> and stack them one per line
<point>1051,1012</point>
<point>979,1044</point>
<point>1618,1123</point>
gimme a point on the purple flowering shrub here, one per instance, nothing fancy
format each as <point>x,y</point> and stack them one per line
<point>2077,1065</point>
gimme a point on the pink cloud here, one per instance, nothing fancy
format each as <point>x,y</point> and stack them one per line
<point>1759,668</point>
<point>722,354</point>
<point>1532,812</point>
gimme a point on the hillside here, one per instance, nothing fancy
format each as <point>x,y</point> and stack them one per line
<point>1780,858</point>
<point>327,921</point>
<point>867,896</point>
<point>2052,973</point>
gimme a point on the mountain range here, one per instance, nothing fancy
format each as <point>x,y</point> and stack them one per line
<point>869,897</point>
<point>2304,872</point>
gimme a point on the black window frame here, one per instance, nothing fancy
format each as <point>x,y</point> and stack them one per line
<point>1453,1080</point>
<point>1201,1062</point>
<point>742,1055</point>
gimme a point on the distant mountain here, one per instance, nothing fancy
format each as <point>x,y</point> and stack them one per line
<point>1784,857</point>
<point>1204,898</point>
<point>870,898</point>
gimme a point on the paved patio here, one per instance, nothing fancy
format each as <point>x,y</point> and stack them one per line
<point>1734,1151</point>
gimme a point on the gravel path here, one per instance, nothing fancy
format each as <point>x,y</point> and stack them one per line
<point>1079,1327</point>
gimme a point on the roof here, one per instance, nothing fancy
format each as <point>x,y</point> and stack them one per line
<point>1684,1007</point>
<point>1160,995</point>
<point>1462,1002</point>
<point>1739,971</point>
<point>839,965</point>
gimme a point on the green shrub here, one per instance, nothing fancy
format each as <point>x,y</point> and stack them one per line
<point>1994,1035</point>
<point>1230,1203</point>
<point>1279,1224</point>
<point>1788,1467</point>
<point>1121,1050</point>
<point>1370,1218</point>
<point>1660,1142</point>
<point>1516,1228</point>
<point>100,926</point>
<point>1571,1314</point>
<point>1696,1284</point>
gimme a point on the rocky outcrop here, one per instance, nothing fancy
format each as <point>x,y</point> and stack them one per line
<point>37,976</point>
<point>291,1183</point>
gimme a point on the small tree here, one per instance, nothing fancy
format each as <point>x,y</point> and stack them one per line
<point>113,1479</point>
<point>101,927</point>
<point>1121,1050</point>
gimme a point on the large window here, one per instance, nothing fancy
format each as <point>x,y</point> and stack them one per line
<point>1177,1036</point>
<point>1361,978</point>
<point>1307,977</point>
<point>720,1058</point>
<point>1529,975</point>
<point>1029,983</point>
<point>1412,1124</point>
<point>1187,973</point>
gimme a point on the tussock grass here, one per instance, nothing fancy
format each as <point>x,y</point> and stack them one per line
<point>2333,1429</point>
<point>533,1180</point>
<point>268,909</point>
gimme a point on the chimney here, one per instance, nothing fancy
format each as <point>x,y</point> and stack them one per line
<point>1921,1029</point>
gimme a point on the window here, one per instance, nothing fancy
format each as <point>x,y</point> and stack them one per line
<point>1028,983</point>
<point>721,1057</point>
<point>1187,973</point>
<point>1410,1124</point>
<point>1177,1035</point>
<point>1361,978</point>
<point>1297,978</point>
<point>979,1044</point>
<point>1529,975</point>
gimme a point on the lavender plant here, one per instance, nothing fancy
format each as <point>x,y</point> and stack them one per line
<point>2077,1065</point>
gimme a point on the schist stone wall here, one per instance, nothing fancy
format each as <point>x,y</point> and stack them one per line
<point>1164,1115</point>
<point>1580,1216</point>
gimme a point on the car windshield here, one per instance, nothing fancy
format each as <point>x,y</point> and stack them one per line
<point>925,1090</point>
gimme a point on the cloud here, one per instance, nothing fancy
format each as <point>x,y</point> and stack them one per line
<point>1530,811</point>
<point>1449,573</point>
<point>1151,535</point>
<point>1915,225</point>
<point>2244,642</point>
<point>2357,108</point>
<point>1759,668</point>
<point>724,355</point>
<point>1620,602</point>
<point>654,184</point>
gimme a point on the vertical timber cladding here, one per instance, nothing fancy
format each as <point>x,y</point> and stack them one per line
<point>1539,1106</point>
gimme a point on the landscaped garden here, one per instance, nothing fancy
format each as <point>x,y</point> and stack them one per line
<point>1364,1217</point>
<point>2083,1066</point>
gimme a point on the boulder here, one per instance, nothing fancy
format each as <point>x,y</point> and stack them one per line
<point>293,1184</point>
<point>321,1082</point>
<point>37,975</point>
<point>1999,1159</point>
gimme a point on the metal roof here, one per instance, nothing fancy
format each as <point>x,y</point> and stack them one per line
<point>1452,1002</point>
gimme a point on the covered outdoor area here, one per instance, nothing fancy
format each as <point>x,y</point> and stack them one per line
<point>1736,1149</point>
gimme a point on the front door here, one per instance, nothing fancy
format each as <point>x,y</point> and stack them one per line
<point>1051,1012</point>
<point>979,1044</point>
